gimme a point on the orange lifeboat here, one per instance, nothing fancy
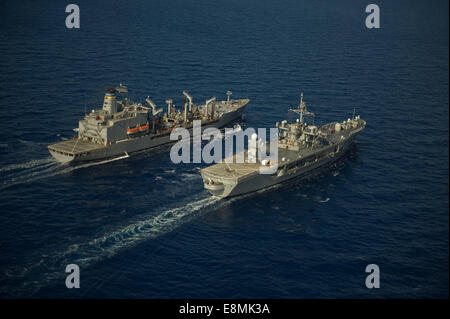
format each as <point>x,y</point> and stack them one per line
<point>133,130</point>
<point>138,129</point>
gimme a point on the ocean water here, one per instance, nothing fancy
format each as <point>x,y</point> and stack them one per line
<point>143,227</point>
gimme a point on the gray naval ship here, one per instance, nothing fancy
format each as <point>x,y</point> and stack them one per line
<point>123,127</point>
<point>302,150</point>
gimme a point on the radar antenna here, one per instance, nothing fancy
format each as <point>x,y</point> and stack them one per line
<point>301,109</point>
<point>122,88</point>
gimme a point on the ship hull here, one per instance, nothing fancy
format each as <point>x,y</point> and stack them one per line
<point>97,152</point>
<point>257,182</point>
<point>61,157</point>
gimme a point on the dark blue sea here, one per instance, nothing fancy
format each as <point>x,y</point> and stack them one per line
<point>143,227</point>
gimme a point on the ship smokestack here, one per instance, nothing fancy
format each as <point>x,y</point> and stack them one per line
<point>109,103</point>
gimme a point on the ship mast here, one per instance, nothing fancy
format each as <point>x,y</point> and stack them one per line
<point>302,109</point>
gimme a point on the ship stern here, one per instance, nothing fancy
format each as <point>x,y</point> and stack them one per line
<point>216,186</point>
<point>60,156</point>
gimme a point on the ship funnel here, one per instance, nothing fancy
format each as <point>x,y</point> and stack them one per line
<point>109,103</point>
<point>189,97</point>
<point>212,107</point>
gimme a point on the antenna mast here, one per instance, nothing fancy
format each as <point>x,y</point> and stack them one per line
<point>302,109</point>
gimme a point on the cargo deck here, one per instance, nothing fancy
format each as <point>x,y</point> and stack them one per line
<point>231,170</point>
<point>74,147</point>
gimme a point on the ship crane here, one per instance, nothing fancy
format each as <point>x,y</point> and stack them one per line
<point>186,108</point>
<point>155,112</point>
<point>211,100</point>
<point>189,98</point>
<point>153,106</point>
<point>169,107</point>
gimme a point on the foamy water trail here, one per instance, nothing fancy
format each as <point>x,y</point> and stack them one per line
<point>38,169</point>
<point>28,165</point>
<point>14,174</point>
<point>50,269</point>
<point>150,227</point>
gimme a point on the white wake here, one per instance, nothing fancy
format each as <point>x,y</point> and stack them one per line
<point>42,168</point>
<point>109,244</point>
